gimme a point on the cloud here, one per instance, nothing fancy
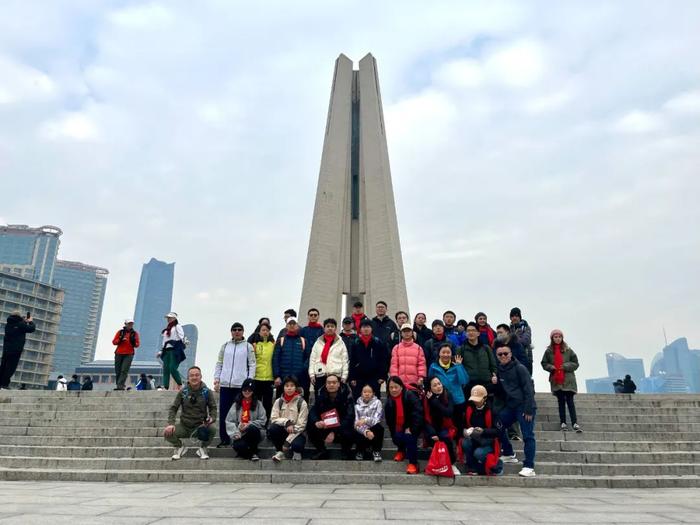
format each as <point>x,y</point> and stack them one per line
<point>20,83</point>
<point>636,122</point>
<point>519,64</point>
<point>71,126</point>
<point>688,102</point>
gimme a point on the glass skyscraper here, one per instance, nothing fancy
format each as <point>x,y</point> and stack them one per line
<point>153,301</point>
<point>29,252</point>
<point>84,287</point>
<point>192,334</point>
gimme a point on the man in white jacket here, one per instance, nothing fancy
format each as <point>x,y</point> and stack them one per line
<point>329,355</point>
<point>235,364</point>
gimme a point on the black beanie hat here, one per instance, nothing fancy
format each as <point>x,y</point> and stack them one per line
<point>516,311</point>
<point>438,322</point>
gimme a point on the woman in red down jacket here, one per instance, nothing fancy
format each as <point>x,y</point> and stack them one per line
<point>408,359</point>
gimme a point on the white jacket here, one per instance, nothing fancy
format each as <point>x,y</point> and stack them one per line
<point>235,364</point>
<point>176,334</point>
<point>61,384</point>
<point>337,362</point>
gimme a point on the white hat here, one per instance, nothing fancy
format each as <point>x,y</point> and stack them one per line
<point>292,320</point>
<point>128,320</point>
<point>172,314</point>
<point>406,326</point>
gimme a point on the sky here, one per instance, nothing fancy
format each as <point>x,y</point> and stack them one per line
<point>543,155</point>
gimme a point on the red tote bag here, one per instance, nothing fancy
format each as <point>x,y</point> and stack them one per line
<point>439,463</point>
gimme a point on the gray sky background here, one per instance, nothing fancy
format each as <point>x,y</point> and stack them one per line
<point>544,155</point>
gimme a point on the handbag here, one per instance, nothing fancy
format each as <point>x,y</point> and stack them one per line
<point>439,463</point>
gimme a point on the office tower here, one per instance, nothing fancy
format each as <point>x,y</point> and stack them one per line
<point>29,252</point>
<point>153,302</point>
<point>192,334</point>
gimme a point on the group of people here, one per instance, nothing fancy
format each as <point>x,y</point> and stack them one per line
<point>460,383</point>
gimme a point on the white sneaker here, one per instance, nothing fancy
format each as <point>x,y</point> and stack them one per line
<point>296,456</point>
<point>527,472</point>
<point>278,457</point>
<point>179,452</point>
<point>510,459</point>
<point>456,471</point>
<point>202,453</point>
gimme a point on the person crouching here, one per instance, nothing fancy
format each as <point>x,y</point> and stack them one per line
<point>246,421</point>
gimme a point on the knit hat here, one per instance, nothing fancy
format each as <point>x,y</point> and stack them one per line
<point>248,384</point>
<point>555,332</point>
<point>516,311</point>
<point>366,322</point>
<point>438,322</point>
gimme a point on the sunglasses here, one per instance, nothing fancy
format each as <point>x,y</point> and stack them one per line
<point>502,354</point>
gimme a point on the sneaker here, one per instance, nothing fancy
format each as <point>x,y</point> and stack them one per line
<point>514,437</point>
<point>577,428</point>
<point>179,452</point>
<point>510,459</point>
<point>456,471</point>
<point>563,427</point>
<point>471,473</point>
<point>322,454</point>
<point>296,456</point>
<point>254,457</point>
<point>412,469</point>
<point>278,457</point>
<point>202,453</point>
<point>527,472</point>
<point>377,456</point>
<point>399,456</point>
<point>359,456</point>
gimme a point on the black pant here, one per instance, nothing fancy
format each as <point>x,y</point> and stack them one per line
<point>247,445</point>
<point>278,435</point>
<point>343,434</point>
<point>568,398</point>
<point>122,365</point>
<point>263,391</point>
<point>226,398</point>
<point>8,366</point>
<point>375,445</point>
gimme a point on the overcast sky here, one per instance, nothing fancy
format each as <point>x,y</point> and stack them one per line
<point>544,155</point>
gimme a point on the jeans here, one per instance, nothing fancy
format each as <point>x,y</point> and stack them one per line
<point>170,369</point>
<point>568,398</point>
<point>247,445</point>
<point>278,435</point>
<point>227,395</point>
<point>122,364</point>
<point>408,444</point>
<point>475,456</point>
<point>507,417</point>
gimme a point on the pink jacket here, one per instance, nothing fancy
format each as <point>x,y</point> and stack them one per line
<point>408,362</point>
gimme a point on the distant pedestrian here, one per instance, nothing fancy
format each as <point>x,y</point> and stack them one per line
<point>74,384</point>
<point>16,330</point>
<point>246,421</point>
<point>87,383</point>
<point>628,386</point>
<point>290,414</point>
<point>126,340</point>
<point>151,381</point>
<point>143,383</point>
<point>561,362</point>
<point>61,384</point>
<point>172,351</point>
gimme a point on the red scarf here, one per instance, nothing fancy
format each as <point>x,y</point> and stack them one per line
<point>365,339</point>
<point>558,374</point>
<point>327,347</point>
<point>447,423</point>
<point>399,412</point>
<point>288,399</point>
<point>358,319</point>
<point>169,327</point>
<point>490,334</point>
<point>439,337</point>
<point>291,333</point>
<point>314,324</point>
<point>245,407</point>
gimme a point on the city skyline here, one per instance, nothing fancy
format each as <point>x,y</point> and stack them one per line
<point>153,300</point>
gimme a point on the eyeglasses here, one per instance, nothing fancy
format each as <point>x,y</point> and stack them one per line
<point>503,354</point>
<point>313,315</point>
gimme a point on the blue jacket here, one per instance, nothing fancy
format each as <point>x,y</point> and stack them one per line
<point>311,334</point>
<point>453,379</point>
<point>457,338</point>
<point>291,357</point>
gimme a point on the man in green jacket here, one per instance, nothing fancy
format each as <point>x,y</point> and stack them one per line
<point>198,413</point>
<point>478,360</point>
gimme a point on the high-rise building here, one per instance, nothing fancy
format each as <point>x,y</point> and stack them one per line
<point>154,300</point>
<point>192,334</point>
<point>29,252</point>
<point>84,287</point>
<point>354,249</point>
<point>45,303</point>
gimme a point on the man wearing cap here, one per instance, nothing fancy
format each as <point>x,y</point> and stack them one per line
<point>368,361</point>
<point>127,341</point>
<point>235,364</point>
<point>431,348</point>
<point>520,329</point>
<point>480,442</point>
<point>358,314</point>
<point>348,333</point>
<point>291,358</point>
<point>289,312</point>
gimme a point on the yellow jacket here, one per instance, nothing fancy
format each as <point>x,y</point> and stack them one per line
<point>263,359</point>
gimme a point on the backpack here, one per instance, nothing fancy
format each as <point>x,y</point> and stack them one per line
<point>303,342</point>
<point>186,392</point>
<point>132,337</point>
<point>299,400</point>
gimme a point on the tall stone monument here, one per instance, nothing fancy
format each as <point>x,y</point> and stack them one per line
<point>354,249</point>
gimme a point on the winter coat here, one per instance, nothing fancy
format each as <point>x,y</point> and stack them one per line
<point>87,385</point>
<point>264,350</point>
<point>516,349</point>
<point>437,414</point>
<point>523,332</point>
<point>61,384</point>
<point>479,362</point>
<point>258,417</point>
<point>342,403</point>
<point>484,335</point>
<point>295,412</point>
<point>235,364</point>
<point>372,412</point>
<point>453,379</point>
<point>570,365</point>
<point>337,362</point>
<point>383,328</point>
<point>412,413</point>
<point>408,362</point>
<point>423,334</point>
<point>517,385</point>
<point>291,357</point>
<point>126,341</point>
<point>193,414</point>
<point>431,349</point>
<point>16,330</point>
<point>368,363</point>
<point>73,385</point>
<point>457,338</point>
<point>628,386</point>
<point>311,334</point>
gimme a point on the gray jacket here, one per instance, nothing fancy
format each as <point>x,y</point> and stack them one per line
<point>258,418</point>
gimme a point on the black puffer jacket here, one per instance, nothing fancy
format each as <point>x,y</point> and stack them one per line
<point>16,331</point>
<point>517,386</point>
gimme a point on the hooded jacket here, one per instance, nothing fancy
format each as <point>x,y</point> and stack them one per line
<point>453,379</point>
<point>337,362</point>
<point>517,386</point>
<point>570,366</point>
<point>16,330</point>
<point>235,364</point>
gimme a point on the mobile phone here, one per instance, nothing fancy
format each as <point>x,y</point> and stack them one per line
<point>29,314</point>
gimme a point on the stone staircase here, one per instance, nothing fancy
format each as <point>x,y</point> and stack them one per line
<point>628,441</point>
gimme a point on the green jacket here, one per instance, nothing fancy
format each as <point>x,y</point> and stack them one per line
<point>193,413</point>
<point>570,365</point>
<point>479,362</point>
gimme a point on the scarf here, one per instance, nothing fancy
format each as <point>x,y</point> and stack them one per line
<point>446,367</point>
<point>327,347</point>
<point>288,399</point>
<point>439,337</point>
<point>314,324</point>
<point>399,412</point>
<point>169,327</point>
<point>365,339</point>
<point>245,410</point>
<point>295,333</point>
<point>490,334</point>
<point>558,374</point>
<point>358,319</point>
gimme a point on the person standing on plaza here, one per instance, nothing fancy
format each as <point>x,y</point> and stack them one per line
<point>235,364</point>
<point>264,347</point>
<point>74,384</point>
<point>290,414</point>
<point>61,384</point>
<point>522,331</point>
<point>407,359</point>
<point>87,383</point>
<point>245,422</point>
<point>126,340</point>
<point>16,330</point>
<point>479,361</point>
<point>172,350</point>
<point>404,419</point>
<point>368,361</point>
<point>520,406</point>
<point>560,361</point>
<point>368,425</point>
<point>328,356</point>
<point>423,333</point>
<point>291,358</point>
<point>197,414</point>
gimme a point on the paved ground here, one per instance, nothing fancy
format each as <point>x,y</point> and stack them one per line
<point>133,504</point>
